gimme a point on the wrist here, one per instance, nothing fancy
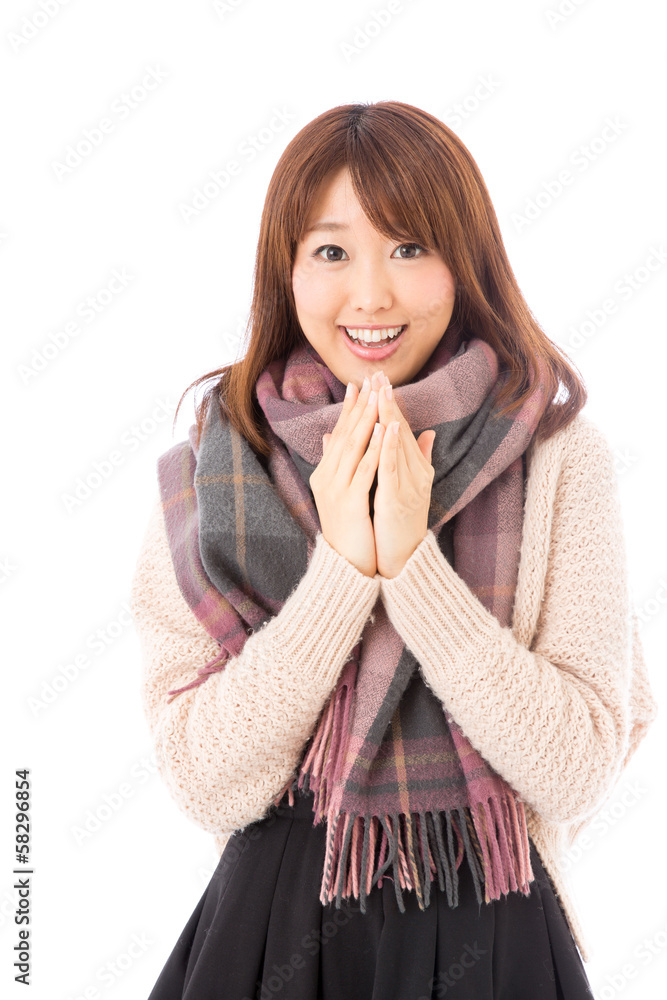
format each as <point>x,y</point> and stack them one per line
<point>390,568</point>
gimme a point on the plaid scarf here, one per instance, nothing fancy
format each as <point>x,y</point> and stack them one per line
<point>399,783</point>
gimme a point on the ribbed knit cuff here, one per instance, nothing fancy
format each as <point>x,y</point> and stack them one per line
<point>435,612</point>
<point>324,617</point>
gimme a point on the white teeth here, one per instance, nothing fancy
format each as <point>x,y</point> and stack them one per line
<point>373,336</point>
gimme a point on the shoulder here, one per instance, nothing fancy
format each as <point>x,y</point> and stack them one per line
<point>582,447</point>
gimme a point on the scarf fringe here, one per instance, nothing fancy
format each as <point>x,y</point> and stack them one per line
<point>419,849</point>
<point>213,666</point>
<point>360,848</point>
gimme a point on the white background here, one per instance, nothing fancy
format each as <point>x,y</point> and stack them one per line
<point>535,89</point>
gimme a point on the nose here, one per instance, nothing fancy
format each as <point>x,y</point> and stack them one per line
<point>369,288</point>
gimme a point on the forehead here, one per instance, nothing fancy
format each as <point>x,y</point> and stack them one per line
<point>335,205</point>
<point>340,218</point>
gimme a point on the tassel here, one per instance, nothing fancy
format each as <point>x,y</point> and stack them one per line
<point>393,835</point>
<point>525,852</point>
<point>503,828</point>
<point>452,859</point>
<point>212,667</point>
<point>478,819</point>
<point>441,866</point>
<point>426,854</point>
<point>384,863</point>
<point>347,830</point>
<point>417,851</point>
<point>325,757</point>
<point>366,869</point>
<point>313,756</point>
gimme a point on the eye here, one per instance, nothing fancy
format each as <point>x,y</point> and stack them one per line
<point>329,246</point>
<point>414,246</point>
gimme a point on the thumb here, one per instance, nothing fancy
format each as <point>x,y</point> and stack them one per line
<point>430,454</point>
<point>425,445</point>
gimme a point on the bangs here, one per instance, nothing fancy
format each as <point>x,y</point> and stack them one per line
<point>396,175</point>
<point>391,193</point>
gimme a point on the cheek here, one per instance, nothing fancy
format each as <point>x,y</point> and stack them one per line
<point>435,291</point>
<point>313,295</point>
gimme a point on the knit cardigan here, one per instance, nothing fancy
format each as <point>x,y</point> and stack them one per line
<point>557,703</point>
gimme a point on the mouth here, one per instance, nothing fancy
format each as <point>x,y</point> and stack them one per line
<point>384,343</point>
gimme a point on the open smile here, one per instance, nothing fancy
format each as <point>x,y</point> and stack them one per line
<point>385,340</point>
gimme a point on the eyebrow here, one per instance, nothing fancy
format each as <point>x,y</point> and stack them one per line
<point>328,226</point>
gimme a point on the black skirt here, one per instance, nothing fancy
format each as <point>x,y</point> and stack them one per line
<point>260,932</point>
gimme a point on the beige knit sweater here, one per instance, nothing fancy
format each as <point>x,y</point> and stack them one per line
<point>557,703</point>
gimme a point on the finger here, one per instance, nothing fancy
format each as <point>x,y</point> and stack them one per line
<point>367,467</point>
<point>393,411</point>
<point>354,438</point>
<point>426,445</point>
<point>391,458</point>
<point>407,443</point>
<point>351,413</point>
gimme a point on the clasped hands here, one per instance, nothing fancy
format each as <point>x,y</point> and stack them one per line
<point>404,480</point>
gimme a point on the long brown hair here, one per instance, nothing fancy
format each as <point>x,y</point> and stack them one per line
<point>407,165</point>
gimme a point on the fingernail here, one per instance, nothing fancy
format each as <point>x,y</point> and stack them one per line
<point>365,384</point>
<point>373,396</point>
<point>348,391</point>
<point>387,391</point>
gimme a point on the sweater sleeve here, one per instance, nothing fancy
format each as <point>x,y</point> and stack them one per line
<point>227,748</point>
<point>554,720</point>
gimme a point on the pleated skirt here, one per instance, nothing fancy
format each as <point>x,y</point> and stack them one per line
<point>260,932</point>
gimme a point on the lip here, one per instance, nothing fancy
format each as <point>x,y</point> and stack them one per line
<point>372,353</point>
<point>373,326</point>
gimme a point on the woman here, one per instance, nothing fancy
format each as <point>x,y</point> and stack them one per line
<point>391,659</point>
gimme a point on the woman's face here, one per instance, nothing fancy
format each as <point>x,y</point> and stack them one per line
<point>362,280</point>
